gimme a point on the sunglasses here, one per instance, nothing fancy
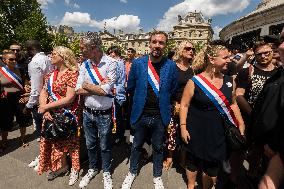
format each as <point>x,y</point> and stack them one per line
<point>11,59</point>
<point>189,49</point>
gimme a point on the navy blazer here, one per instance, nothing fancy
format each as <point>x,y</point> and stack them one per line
<point>138,82</point>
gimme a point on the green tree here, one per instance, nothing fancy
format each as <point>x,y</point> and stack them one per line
<point>171,45</point>
<point>60,39</point>
<point>198,46</point>
<point>74,45</point>
<point>21,20</point>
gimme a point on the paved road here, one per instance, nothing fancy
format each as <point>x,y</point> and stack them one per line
<point>15,173</point>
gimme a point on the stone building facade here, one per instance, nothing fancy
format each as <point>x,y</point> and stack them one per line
<point>267,19</point>
<point>192,26</point>
<point>68,30</point>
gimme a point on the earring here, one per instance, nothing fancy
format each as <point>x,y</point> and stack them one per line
<point>212,72</point>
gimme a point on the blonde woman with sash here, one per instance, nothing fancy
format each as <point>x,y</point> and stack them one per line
<point>202,118</point>
<point>59,93</point>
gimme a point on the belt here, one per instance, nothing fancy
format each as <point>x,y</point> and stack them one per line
<point>98,112</point>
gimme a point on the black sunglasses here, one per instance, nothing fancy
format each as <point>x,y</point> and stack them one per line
<point>11,59</point>
<point>189,49</point>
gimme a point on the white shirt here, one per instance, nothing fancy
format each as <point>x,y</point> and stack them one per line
<point>107,68</point>
<point>39,66</point>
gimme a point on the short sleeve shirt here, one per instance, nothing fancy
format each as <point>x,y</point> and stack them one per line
<point>254,84</point>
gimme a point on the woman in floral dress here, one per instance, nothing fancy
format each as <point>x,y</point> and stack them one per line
<point>53,153</point>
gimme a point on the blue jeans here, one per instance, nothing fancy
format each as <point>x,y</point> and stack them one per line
<point>98,127</point>
<point>154,126</point>
<point>37,120</point>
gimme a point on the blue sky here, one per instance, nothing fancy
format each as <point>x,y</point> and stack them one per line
<point>130,15</point>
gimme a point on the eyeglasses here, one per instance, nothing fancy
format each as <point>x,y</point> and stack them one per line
<point>189,49</point>
<point>267,53</point>
<point>11,59</point>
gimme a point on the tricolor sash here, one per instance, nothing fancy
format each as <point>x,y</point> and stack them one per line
<point>55,96</point>
<point>97,78</point>
<point>12,77</point>
<point>217,97</point>
<point>153,78</point>
<point>95,75</point>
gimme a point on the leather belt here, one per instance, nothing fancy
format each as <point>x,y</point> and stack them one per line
<point>98,112</point>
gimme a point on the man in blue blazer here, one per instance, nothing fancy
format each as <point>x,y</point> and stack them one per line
<point>152,82</point>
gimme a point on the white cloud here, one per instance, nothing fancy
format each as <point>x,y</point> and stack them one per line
<point>76,6</point>
<point>44,3</point>
<point>216,30</point>
<point>70,4</point>
<point>208,8</point>
<point>127,23</point>
<point>123,1</point>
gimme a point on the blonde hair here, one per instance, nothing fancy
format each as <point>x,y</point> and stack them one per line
<point>68,57</point>
<point>180,49</point>
<point>201,60</point>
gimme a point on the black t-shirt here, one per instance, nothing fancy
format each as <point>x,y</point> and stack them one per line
<point>152,101</point>
<point>183,77</point>
<point>253,84</point>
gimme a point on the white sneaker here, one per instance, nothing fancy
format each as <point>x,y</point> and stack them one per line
<point>74,175</point>
<point>36,168</point>
<point>34,162</point>
<point>158,183</point>
<point>87,178</point>
<point>107,180</point>
<point>128,181</point>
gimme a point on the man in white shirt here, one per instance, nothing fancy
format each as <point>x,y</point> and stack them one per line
<point>39,66</point>
<point>96,80</point>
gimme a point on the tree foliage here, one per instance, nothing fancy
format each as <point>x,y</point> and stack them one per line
<point>171,45</point>
<point>72,42</point>
<point>21,20</point>
<point>60,39</point>
<point>198,46</point>
<point>74,45</point>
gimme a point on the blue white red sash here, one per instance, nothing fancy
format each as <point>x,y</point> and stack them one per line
<point>55,96</point>
<point>12,77</point>
<point>153,78</point>
<point>95,75</point>
<point>97,78</point>
<point>217,97</point>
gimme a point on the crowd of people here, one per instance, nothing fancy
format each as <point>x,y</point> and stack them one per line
<point>183,105</point>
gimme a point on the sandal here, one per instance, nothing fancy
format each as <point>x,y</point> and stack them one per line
<point>25,143</point>
<point>168,163</point>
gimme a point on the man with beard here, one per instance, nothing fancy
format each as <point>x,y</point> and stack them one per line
<point>152,81</point>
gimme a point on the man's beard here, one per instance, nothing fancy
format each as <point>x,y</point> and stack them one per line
<point>156,53</point>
